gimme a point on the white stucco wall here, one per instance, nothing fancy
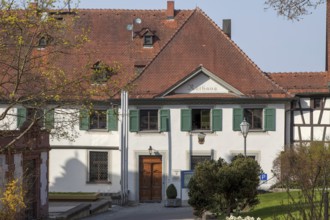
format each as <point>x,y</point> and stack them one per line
<point>10,121</point>
<point>69,171</point>
<point>265,145</point>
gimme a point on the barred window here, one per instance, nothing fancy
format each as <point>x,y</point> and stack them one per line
<point>98,166</point>
<point>195,159</point>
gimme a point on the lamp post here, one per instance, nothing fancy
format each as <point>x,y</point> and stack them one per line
<point>150,150</point>
<point>245,126</point>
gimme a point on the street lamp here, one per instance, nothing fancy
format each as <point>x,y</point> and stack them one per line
<point>150,150</point>
<point>201,138</point>
<point>245,130</point>
<point>130,27</point>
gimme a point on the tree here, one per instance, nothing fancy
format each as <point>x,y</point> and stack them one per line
<point>36,41</point>
<point>12,200</point>
<point>293,9</point>
<point>305,168</point>
<point>222,187</point>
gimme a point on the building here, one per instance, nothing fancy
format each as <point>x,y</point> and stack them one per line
<point>187,78</point>
<point>183,84</point>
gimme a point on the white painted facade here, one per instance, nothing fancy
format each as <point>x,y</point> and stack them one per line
<point>69,166</point>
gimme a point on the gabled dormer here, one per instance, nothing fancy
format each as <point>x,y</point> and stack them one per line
<point>148,36</point>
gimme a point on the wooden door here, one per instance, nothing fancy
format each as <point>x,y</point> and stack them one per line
<point>150,178</point>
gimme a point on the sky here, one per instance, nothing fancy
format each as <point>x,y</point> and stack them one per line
<point>274,43</point>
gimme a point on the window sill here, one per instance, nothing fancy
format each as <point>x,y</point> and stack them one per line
<point>199,131</point>
<point>98,182</point>
<point>98,130</point>
<point>149,131</point>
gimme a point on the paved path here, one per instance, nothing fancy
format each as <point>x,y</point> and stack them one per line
<point>145,211</point>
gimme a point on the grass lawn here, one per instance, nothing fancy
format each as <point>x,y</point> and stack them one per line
<point>272,205</point>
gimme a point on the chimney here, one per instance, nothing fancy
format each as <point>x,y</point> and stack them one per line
<point>226,27</point>
<point>170,10</point>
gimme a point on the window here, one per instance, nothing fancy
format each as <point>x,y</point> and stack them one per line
<point>148,40</point>
<point>138,69</point>
<point>259,119</point>
<point>149,120</point>
<point>98,119</point>
<point>98,166</point>
<point>317,103</point>
<point>44,117</point>
<point>195,159</point>
<point>253,117</point>
<point>101,73</point>
<point>201,119</point>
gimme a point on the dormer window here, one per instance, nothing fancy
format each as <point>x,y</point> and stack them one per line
<point>44,41</point>
<point>101,73</point>
<point>148,41</point>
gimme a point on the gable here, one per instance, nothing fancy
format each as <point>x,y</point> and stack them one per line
<point>202,81</point>
<point>201,84</point>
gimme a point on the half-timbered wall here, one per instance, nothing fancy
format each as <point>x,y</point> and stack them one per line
<point>310,120</point>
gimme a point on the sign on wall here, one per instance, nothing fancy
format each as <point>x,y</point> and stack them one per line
<point>185,178</point>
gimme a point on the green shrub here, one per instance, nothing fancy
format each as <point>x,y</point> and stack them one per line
<point>171,192</point>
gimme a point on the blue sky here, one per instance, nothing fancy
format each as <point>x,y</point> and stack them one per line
<point>272,42</point>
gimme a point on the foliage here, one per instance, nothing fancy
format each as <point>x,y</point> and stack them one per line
<point>305,167</point>
<point>293,9</point>
<point>171,191</point>
<point>12,200</point>
<point>36,41</point>
<point>241,218</point>
<point>222,187</point>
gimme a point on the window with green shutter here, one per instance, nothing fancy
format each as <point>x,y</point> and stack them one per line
<point>134,120</point>
<point>112,120</point>
<point>186,120</point>
<point>21,116</point>
<point>270,119</point>
<point>49,119</point>
<point>217,120</point>
<point>84,119</point>
<point>164,120</point>
<point>258,118</point>
<point>237,118</point>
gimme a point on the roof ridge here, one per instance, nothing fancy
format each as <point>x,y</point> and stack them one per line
<point>242,52</point>
<point>164,46</point>
<point>311,72</point>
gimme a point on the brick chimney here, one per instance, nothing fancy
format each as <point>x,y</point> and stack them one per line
<point>170,10</point>
<point>226,27</point>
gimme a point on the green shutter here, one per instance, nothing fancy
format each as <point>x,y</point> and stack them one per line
<point>164,120</point>
<point>185,119</point>
<point>112,120</point>
<point>237,118</point>
<point>84,120</point>
<point>270,119</point>
<point>49,119</point>
<point>21,116</point>
<point>217,120</point>
<point>134,123</point>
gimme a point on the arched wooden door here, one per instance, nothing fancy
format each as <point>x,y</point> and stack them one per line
<point>150,168</point>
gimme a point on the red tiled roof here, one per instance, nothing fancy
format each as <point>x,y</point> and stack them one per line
<point>199,42</point>
<point>302,82</point>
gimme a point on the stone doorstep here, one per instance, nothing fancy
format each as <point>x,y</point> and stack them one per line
<point>78,211</point>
